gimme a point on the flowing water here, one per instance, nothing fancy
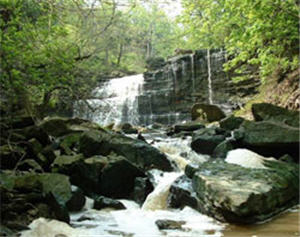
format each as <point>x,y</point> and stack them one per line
<point>117,102</point>
<point>210,92</point>
<point>140,220</point>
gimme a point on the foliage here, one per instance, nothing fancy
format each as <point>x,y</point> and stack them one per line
<point>55,51</point>
<point>259,34</point>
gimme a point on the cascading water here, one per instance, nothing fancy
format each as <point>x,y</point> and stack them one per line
<point>117,102</point>
<point>138,221</point>
<point>193,71</point>
<point>210,93</point>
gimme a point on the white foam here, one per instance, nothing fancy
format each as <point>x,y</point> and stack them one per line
<point>247,159</point>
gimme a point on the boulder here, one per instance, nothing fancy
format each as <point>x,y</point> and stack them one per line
<point>118,177</point>
<point>10,156</point>
<point>269,139</point>
<point>207,112</point>
<point>84,173</point>
<point>142,187</point>
<point>231,122</point>
<point>111,176</point>
<point>206,144</point>
<point>29,196</point>
<point>169,224</point>
<point>222,149</point>
<point>77,201</point>
<point>104,202</point>
<point>57,126</point>
<point>236,194</point>
<point>127,128</point>
<point>269,112</point>
<point>137,152</point>
<point>188,127</point>
<point>182,194</point>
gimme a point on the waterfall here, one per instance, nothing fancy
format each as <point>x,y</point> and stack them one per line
<point>157,200</point>
<point>117,101</point>
<point>193,71</point>
<point>210,93</point>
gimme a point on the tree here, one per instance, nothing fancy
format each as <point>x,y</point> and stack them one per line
<point>260,33</point>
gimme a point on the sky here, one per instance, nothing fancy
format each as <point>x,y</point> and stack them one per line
<point>171,7</point>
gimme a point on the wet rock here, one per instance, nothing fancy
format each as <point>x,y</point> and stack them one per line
<point>10,156</point>
<point>191,169</point>
<point>104,202</point>
<point>231,122</point>
<point>137,152</point>
<point>57,126</point>
<point>205,144</point>
<point>188,127</point>
<point>127,128</point>
<point>232,193</point>
<point>286,158</point>
<point>207,112</point>
<point>182,194</point>
<point>269,112</point>
<point>142,187</point>
<point>269,138</point>
<point>69,143</point>
<point>18,121</point>
<point>118,176</point>
<point>30,196</point>
<point>169,224</point>
<point>222,149</point>
<point>77,200</point>
<point>83,172</point>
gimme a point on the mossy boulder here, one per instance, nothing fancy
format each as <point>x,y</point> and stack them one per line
<point>207,112</point>
<point>206,144</point>
<point>57,126</point>
<point>111,176</point>
<point>28,196</point>
<point>269,138</point>
<point>137,152</point>
<point>232,193</point>
<point>270,112</point>
<point>231,122</point>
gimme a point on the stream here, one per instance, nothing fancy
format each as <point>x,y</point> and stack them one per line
<point>120,106</point>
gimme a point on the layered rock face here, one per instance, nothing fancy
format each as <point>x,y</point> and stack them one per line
<point>170,91</point>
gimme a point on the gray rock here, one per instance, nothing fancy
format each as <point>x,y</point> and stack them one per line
<point>205,144</point>
<point>207,112</point>
<point>222,149</point>
<point>269,138</point>
<point>136,152</point>
<point>269,112</point>
<point>104,202</point>
<point>231,122</point>
<point>169,224</point>
<point>182,194</point>
<point>235,194</point>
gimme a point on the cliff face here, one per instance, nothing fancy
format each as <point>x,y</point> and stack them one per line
<point>170,91</point>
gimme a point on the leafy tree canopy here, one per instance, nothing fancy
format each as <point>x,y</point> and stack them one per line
<point>260,34</point>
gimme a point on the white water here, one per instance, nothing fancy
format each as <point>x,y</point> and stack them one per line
<point>117,103</point>
<point>139,221</point>
<point>247,159</point>
<point>210,92</point>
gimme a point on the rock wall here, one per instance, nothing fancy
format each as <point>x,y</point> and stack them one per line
<point>170,91</point>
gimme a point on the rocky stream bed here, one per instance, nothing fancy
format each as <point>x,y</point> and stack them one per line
<point>184,180</point>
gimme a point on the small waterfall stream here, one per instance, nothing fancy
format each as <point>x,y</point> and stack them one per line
<point>193,71</point>
<point>210,92</point>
